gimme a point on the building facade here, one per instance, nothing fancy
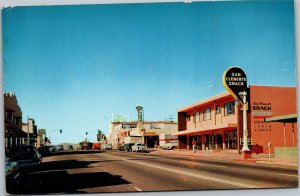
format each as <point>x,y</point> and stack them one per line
<point>149,131</point>
<point>14,135</point>
<point>216,123</point>
<point>41,138</point>
<point>30,128</point>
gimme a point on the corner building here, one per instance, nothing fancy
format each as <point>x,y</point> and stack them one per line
<point>216,123</point>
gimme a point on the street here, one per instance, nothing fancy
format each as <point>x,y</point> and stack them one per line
<point>110,171</point>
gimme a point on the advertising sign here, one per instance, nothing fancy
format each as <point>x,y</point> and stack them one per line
<point>235,81</point>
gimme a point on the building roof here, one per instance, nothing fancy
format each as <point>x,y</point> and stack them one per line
<point>205,101</point>
<point>11,104</point>
<point>146,122</point>
<point>228,126</point>
<point>289,118</point>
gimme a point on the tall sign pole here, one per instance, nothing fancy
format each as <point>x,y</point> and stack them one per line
<point>28,138</point>
<point>235,82</point>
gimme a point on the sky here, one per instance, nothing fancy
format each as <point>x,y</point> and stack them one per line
<point>71,67</point>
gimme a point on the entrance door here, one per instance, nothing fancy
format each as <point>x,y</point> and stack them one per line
<point>152,141</point>
<point>199,142</point>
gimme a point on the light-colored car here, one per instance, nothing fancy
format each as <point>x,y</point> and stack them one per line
<point>137,147</point>
<point>107,147</point>
<point>170,146</point>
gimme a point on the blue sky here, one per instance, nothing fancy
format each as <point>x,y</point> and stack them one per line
<point>71,67</point>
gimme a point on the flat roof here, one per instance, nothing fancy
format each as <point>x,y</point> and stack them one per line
<point>289,118</point>
<point>205,101</point>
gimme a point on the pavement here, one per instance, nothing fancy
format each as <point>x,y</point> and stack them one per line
<point>232,156</point>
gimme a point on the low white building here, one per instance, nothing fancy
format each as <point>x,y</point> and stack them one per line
<point>150,131</point>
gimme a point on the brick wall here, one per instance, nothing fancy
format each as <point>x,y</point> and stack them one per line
<point>268,101</point>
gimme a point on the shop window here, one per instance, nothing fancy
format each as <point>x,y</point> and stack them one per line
<point>207,114</point>
<point>229,108</point>
<point>218,109</point>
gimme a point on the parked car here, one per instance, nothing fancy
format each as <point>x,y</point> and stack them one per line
<point>60,147</point>
<point>25,155</point>
<point>127,147</point>
<point>70,147</point>
<point>12,175</point>
<point>44,150</point>
<point>107,147</point>
<point>120,147</point>
<point>170,146</point>
<point>137,147</point>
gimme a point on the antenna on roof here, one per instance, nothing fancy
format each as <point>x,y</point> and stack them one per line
<point>170,118</point>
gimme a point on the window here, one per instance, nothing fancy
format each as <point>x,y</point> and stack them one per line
<point>218,109</point>
<point>188,117</point>
<point>229,108</point>
<point>207,114</point>
<point>197,116</point>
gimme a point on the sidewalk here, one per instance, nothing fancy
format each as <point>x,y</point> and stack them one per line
<point>229,156</point>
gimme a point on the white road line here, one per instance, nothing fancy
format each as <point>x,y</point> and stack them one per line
<point>288,175</point>
<point>194,175</point>
<point>138,189</point>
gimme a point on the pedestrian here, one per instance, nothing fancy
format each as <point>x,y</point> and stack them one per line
<point>194,145</point>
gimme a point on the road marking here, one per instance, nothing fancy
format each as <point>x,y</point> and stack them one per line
<point>194,175</point>
<point>138,189</point>
<point>288,175</point>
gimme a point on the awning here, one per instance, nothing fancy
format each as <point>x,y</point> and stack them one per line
<point>229,126</point>
<point>290,118</point>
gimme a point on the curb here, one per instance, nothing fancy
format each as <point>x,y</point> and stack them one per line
<point>187,155</point>
<point>241,160</point>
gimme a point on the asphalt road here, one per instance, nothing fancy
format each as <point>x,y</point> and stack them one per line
<point>108,171</point>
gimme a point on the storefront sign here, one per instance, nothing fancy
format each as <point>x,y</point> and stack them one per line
<point>235,82</point>
<point>150,133</point>
<point>260,111</point>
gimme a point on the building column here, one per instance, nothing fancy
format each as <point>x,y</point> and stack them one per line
<point>203,141</point>
<point>188,142</point>
<point>209,141</point>
<point>223,140</point>
<point>216,139</point>
<point>10,142</point>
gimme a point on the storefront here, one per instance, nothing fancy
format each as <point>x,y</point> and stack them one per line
<point>216,123</point>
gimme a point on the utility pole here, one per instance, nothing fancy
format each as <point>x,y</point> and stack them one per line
<point>28,138</point>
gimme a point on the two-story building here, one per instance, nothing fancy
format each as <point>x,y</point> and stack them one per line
<point>14,135</point>
<point>217,122</point>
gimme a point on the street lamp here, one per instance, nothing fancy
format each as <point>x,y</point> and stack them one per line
<point>245,131</point>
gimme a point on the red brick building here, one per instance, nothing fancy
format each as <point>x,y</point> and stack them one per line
<point>216,123</point>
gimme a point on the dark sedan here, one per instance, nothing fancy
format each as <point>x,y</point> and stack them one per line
<point>25,155</point>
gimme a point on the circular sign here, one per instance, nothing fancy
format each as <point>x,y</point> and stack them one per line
<point>235,82</point>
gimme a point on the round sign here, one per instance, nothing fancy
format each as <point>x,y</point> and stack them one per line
<point>235,81</point>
